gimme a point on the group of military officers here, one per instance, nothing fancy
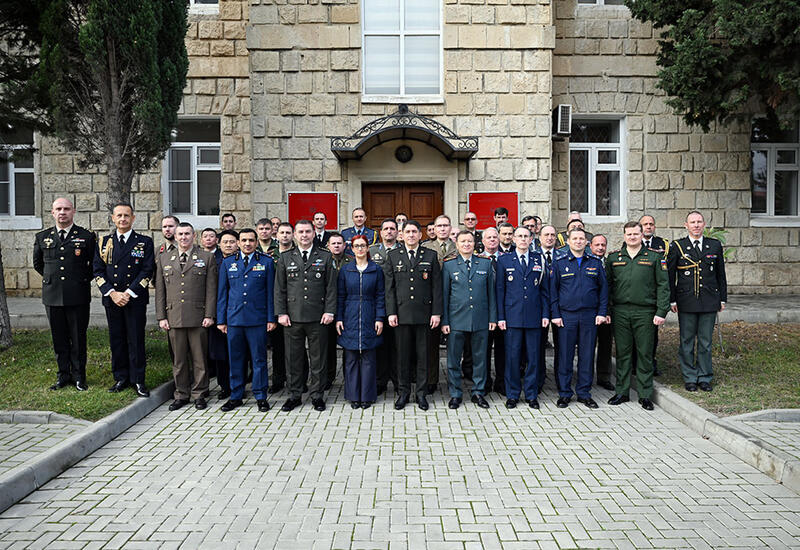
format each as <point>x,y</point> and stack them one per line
<point>224,301</point>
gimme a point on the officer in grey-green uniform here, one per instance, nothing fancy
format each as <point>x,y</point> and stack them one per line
<point>639,298</point>
<point>386,362</point>
<point>336,246</point>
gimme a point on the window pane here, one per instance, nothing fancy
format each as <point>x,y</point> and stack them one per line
<point>382,65</point>
<point>22,158</point>
<point>422,65</point>
<point>15,136</point>
<point>786,193</point>
<point>193,131</point>
<point>758,182</point>
<point>422,15</point>
<point>180,197</point>
<point>180,164</point>
<point>615,2</point>
<point>607,157</point>
<point>579,181</point>
<point>207,2</point>
<point>595,131</point>
<point>23,194</point>
<point>208,184</point>
<point>4,198</point>
<point>767,131</point>
<point>787,157</point>
<point>607,193</point>
<point>208,155</point>
<point>587,2</point>
<point>381,15</point>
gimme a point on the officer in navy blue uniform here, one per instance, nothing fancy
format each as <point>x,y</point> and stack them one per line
<point>579,303</point>
<point>123,266</point>
<point>523,309</point>
<point>245,313</point>
<point>547,238</point>
<point>358,228</point>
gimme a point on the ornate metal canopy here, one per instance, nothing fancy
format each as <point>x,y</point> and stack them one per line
<point>404,124</point>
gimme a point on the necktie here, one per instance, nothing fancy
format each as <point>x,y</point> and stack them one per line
<point>183,259</point>
<point>305,256</point>
<point>468,263</point>
<point>524,259</point>
<point>647,243</point>
<point>246,261</point>
<point>697,246</point>
<point>549,258</point>
<point>411,256</point>
<point>444,248</point>
<point>122,240</point>
<point>62,235</point>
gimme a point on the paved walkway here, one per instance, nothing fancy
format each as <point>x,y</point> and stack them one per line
<point>617,477</point>
<point>20,443</point>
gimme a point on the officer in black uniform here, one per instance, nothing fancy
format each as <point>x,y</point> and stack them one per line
<point>387,352</point>
<point>123,266</point>
<point>62,255</point>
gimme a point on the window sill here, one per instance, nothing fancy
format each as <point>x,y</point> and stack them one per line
<point>204,10</point>
<point>20,222</point>
<point>199,222</point>
<point>774,221</point>
<point>398,99</point>
<point>601,220</point>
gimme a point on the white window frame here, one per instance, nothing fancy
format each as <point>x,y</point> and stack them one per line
<point>769,218</point>
<point>12,220</point>
<point>402,33</point>
<point>600,3</point>
<point>203,9</point>
<point>594,166</point>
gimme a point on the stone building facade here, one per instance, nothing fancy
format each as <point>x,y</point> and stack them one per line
<point>283,78</point>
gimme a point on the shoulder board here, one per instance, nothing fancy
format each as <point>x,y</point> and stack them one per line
<point>450,259</point>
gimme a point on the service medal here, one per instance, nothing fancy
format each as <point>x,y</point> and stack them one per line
<point>424,274</point>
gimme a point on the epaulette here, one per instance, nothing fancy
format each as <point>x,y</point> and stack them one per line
<point>451,258</point>
<point>591,255</point>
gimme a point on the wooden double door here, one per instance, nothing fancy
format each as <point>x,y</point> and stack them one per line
<point>419,201</point>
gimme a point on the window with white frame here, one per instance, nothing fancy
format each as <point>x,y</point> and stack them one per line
<point>595,167</point>
<point>402,48</point>
<point>775,156</point>
<point>203,6</point>
<point>601,2</point>
<point>17,189</point>
<point>193,168</point>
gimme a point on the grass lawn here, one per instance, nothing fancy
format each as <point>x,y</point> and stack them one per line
<point>759,369</point>
<point>28,368</point>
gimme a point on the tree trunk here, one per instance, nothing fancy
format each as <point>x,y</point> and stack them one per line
<point>5,318</point>
<point>119,179</point>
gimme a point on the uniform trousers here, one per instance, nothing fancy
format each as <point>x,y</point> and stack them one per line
<point>455,350</point>
<point>191,377</point>
<point>360,375</point>
<point>68,327</point>
<point>605,339</point>
<point>218,358</point>
<point>433,357</point>
<point>295,337</point>
<point>330,373</point>
<point>579,331</point>
<point>496,340</point>
<point>699,327</point>
<point>278,342</point>
<point>386,358</point>
<point>126,336</point>
<point>242,340</point>
<point>413,347</point>
<point>542,348</point>
<point>634,323</point>
<point>523,343</point>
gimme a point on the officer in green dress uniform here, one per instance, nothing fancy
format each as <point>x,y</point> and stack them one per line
<point>639,297</point>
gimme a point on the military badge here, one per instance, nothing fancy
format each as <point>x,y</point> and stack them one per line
<point>48,242</point>
<point>233,267</point>
<point>424,274</point>
<point>510,278</point>
<point>319,275</point>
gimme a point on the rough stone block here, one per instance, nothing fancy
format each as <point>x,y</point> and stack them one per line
<point>508,104</point>
<point>312,14</point>
<point>345,60</point>
<point>482,14</point>
<point>321,105</point>
<point>209,29</point>
<point>500,169</point>
<point>293,105</point>
<point>345,14</point>
<point>714,143</point>
<point>514,15</point>
<point>307,170</point>
<point>314,60</point>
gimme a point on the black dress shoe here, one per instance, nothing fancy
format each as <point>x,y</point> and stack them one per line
<point>589,402</point>
<point>690,386</point>
<point>263,405</point>
<point>60,384</point>
<point>511,403</point>
<point>200,404</point>
<point>290,404</point>
<point>80,385</point>
<point>275,388</point>
<point>533,403</point>
<point>230,405</point>
<point>480,401</point>
<point>223,394</point>
<point>401,402</point>
<point>454,403</point>
<point>422,403</point>
<point>318,404</point>
<point>142,391</point>
<point>606,385</point>
<point>618,399</point>
<point>562,403</point>
<point>178,404</point>
<point>705,386</point>
<point>366,404</point>
<point>119,386</point>
<point>355,404</point>
<point>646,404</point>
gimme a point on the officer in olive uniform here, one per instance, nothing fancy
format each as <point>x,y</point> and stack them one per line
<point>305,301</point>
<point>386,356</point>
<point>123,267</point>
<point>414,307</point>
<point>339,260</point>
<point>62,255</point>
<point>653,242</point>
<point>639,298</point>
<point>469,305</point>
<point>698,290</point>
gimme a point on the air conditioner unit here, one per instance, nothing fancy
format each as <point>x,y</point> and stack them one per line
<point>562,120</point>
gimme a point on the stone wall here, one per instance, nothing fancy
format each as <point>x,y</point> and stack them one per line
<point>604,63</point>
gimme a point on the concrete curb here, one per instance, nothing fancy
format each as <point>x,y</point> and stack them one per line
<point>774,462</point>
<point>39,417</point>
<point>19,482</point>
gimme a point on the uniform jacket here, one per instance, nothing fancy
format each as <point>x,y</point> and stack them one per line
<point>166,247</point>
<point>360,302</point>
<point>122,267</point>
<point>185,296</point>
<point>574,288</point>
<point>272,249</point>
<point>697,282</point>
<point>305,292</point>
<point>338,263</point>
<point>244,296</point>
<point>413,291</point>
<point>469,298</point>
<point>658,244</point>
<point>217,341</point>
<point>639,281</point>
<point>321,241</point>
<point>378,253</point>
<point>65,267</point>
<point>349,232</point>
<point>523,297</point>
<point>450,250</point>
